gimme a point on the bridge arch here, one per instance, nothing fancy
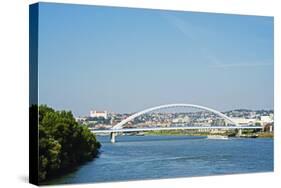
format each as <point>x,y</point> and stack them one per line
<point>130,118</point>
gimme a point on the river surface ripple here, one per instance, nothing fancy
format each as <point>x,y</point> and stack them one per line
<point>154,157</point>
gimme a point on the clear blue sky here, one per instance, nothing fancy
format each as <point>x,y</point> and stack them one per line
<point>124,60</point>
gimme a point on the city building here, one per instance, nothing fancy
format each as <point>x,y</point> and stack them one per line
<point>94,113</point>
<point>184,119</point>
<point>244,121</point>
<point>266,119</point>
<point>81,120</point>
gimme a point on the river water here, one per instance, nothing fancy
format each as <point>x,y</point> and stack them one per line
<point>154,157</point>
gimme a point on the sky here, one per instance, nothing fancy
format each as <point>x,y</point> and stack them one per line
<point>125,59</point>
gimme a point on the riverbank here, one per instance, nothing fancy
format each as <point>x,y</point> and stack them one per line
<point>227,133</point>
<point>266,135</point>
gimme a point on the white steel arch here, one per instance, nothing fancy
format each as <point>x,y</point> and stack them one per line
<point>130,118</point>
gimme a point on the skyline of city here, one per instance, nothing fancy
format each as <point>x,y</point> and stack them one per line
<point>104,120</point>
<point>139,58</point>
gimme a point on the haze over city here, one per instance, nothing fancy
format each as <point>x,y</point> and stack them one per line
<point>138,58</point>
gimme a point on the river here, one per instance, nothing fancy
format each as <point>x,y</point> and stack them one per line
<point>154,157</point>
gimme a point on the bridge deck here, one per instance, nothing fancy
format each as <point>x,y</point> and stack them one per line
<point>173,128</point>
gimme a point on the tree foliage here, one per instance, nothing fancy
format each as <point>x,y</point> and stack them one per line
<point>63,143</point>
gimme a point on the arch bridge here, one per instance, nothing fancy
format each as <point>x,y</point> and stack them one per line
<point>119,127</point>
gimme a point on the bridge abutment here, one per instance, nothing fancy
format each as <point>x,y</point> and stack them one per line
<point>112,137</point>
<point>239,132</point>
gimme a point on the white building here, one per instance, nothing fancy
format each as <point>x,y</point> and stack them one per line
<point>266,119</point>
<point>80,118</point>
<point>94,113</point>
<point>244,121</point>
<point>185,119</point>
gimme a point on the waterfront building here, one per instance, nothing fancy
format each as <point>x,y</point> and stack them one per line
<point>266,119</point>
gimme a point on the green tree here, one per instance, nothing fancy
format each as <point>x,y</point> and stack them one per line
<point>63,143</point>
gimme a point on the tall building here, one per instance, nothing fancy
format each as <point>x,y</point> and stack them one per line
<point>94,113</point>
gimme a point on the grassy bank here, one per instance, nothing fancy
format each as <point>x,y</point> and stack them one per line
<point>197,133</point>
<point>185,133</point>
<point>266,135</point>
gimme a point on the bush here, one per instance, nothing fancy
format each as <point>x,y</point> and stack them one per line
<point>63,143</point>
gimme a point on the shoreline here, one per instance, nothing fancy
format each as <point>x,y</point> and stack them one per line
<point>229,134</point>
<point>244,135</point>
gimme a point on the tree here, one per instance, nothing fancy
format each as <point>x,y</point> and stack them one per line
<point>63,143</point>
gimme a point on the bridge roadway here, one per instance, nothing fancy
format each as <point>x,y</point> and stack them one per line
<point>113,132</point>
<point>171,128</point>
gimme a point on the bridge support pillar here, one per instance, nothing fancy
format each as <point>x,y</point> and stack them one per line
<point>112,137</point>
<point>239,132</point>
